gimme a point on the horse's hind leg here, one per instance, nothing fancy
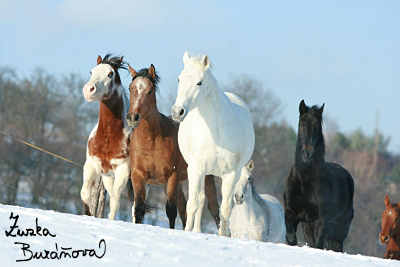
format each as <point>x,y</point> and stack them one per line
<point>228,185</point>
<point>121,178</point>
<point>211,194</point>
<point>90,173</point>
<point>339,231</point>
<point>181,203</point>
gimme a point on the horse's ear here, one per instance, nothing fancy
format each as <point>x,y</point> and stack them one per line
<point>321,109</point>
<point>121,58</point>
<point>152,71</point>
<point>303,108</point>
<point>205,62</point>
<point>99,60</point>
<point>132,71</point>
<point>250,165</point>
<point>186,57</point>
<point>387,201</point>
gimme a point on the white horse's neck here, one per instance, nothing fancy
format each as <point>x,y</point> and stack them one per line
<point>216,101</point>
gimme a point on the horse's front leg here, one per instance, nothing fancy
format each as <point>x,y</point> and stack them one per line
<point>139,182</point>
<point>90,173</point>
<point>211,194</point>
<point>196,198</point>
<point>121,178</point>
<point>291,222</point>
<point>228,185</point>
<point>320,230</point>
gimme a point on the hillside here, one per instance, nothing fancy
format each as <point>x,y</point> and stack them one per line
<point>127,244</point>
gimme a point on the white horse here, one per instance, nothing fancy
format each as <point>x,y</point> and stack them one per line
<point>216,136</point>
<point>107,151</point>
<point>254,216</point>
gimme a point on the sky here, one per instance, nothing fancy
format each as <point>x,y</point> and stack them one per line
<point>345,54</point>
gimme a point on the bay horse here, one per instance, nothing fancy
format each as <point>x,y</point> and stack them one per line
<point>390,234</point>
<point>254,216</point>
<point>107,151</point>
<point>318,194</point>
<point>155,155</point>
<point>216,136</point>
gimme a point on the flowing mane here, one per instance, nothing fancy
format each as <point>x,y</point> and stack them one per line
<point>117,63</point>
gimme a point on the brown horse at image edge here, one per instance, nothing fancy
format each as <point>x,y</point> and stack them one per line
<point>390,234</point>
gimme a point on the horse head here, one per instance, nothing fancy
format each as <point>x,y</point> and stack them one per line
<point>104,78</point>
<point>245,182</point>
<point>310,135</point>
<point>143,90</point>
<point>390,222</point>
<point>193,85</point>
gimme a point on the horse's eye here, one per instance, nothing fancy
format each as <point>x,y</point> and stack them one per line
<point>178,80</point>
<point>110,74</point>
<point>90,72</point>
<point>396,219</point>
<point>199,83</point>
<point>249,179</point>
<point>149,93</point>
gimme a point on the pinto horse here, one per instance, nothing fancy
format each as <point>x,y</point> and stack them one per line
<point>107,151</point>
<point>318,194</point>
<point>390,234</point>
<point>155,155</point>
<point>216,136</point>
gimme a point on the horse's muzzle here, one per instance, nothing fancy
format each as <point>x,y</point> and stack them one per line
<point>384,239</point>
<point>307,156</point>
<point>133,121</point>
<point>239,198</point>
<point>178,114</point>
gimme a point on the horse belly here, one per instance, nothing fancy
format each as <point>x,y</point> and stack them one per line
<point>198,146</point>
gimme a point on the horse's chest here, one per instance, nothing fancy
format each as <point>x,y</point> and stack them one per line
<point>307,203</point>
<point>108,148</point>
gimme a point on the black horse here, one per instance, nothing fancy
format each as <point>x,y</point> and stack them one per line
<point>318,194</point>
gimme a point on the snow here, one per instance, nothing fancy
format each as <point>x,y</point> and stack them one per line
<point>130,244</point>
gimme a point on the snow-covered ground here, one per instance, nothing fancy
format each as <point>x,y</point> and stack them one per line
<point>127,244</point>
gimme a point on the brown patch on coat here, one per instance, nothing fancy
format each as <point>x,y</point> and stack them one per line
<point>110,141</point>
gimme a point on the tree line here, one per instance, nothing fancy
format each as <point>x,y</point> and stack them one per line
<point>50,112</point>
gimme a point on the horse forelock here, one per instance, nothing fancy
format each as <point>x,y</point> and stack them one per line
<point>145,73</point>
<point>116,63</point>
<point>197,61</point>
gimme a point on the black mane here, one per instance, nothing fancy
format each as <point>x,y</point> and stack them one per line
<point>145,73</point>
<point>115,62</point>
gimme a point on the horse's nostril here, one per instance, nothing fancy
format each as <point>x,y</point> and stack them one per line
<point>92,89</point>
<point>136,117</point>
<point>181,112</point>
<point>128,116</point>
<point>386,238</point>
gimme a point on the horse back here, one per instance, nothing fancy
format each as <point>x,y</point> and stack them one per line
<point>343,179</point>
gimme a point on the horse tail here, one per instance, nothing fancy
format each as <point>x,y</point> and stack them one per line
<point>131,196</point>
<point>129,190</point>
